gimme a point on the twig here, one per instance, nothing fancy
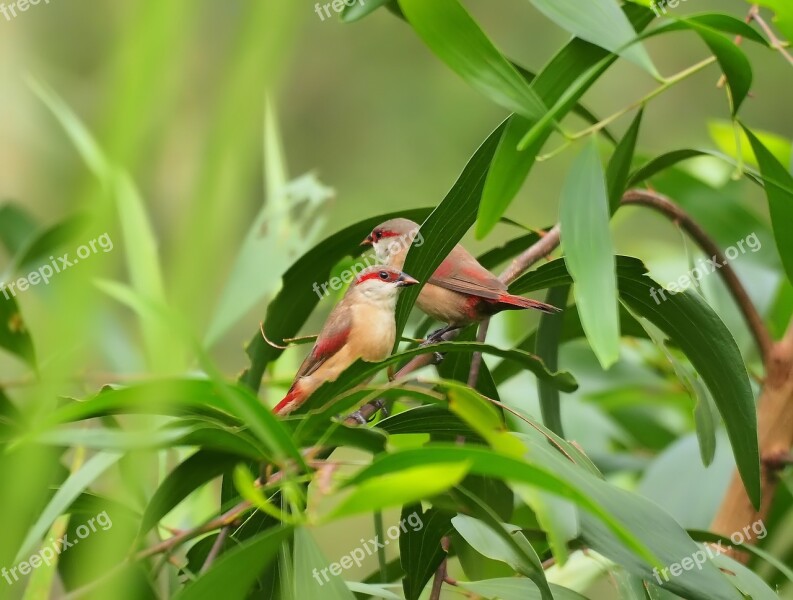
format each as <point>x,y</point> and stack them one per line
<point>216,548</point>
<point>476,358</point>
<point>442,573</point>
<point>673,211</point>
<point>776,43</point>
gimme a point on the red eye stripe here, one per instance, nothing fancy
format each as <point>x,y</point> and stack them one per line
<point>387,234</point>
<point>375,275</point>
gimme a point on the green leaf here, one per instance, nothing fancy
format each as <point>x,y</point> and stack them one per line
<point>732,60</point>
<point>561,84</point>
<point>235,572</point>
<point>292,306</point>
<point>14,335</point>
<point>724,135</point>
<point>698,331</point>
<point>447,224</point>
<point>492,543</point>
<point>44,243</point>
<point>75,485</point>
<point>620,164</point>
<point>451,33</point>
<point>513,588</point>
<point>360,9</point>
<point>589,253</point>
<point>779,190</point>
<point>420,550</point>
<point>485,462</point>
<point>549,338</point>
<point>192,473</point>
<point>309,564</point>
<point>397,488</point>
<point>784,15</point>
<point>600,22</point>
<point>505,539</point>
<point>17,227</point>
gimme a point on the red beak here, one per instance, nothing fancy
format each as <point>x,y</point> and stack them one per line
<point>367,241</point>
<point>406,280</point>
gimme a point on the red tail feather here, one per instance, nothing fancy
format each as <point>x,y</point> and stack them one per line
<point>290,402</point>
<point>521,302</point>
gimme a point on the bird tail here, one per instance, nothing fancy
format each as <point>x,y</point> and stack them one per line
<point>292,400</point>
<point>508,301</point>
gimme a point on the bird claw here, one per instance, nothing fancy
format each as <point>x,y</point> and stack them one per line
<point>438,357</point>
<point>358,417</point>
<point>383,408</point>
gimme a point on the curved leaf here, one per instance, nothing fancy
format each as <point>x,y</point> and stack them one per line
<point>697,330</point>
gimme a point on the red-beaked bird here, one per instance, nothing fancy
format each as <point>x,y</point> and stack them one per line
<point>461,291</point>
<point>362,326</point>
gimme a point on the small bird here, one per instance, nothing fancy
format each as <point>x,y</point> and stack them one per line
<point>460,292</point>
<point>362,326</point>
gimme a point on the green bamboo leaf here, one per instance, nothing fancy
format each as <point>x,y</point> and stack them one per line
<point>620,164</point>
<point>784,15</point>
<point>311,571</point>
<point>513,588</point>
<point>403,487</point>
<point>697,330</point>
<point>549,338</point>
<point>74,485</point>
<point>723,134</point>
<point>779,190</point>
<point>447,224</point>
<point>192,473</point>
<point>14,335</point>
<point>560,84</point>
<point>457,39</point>
<point>589,253</point>
<point>236,571</point>
<point>600,22</point>
<point>420,550</point>
<point>361,9</point>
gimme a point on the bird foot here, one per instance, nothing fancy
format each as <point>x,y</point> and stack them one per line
<point>358,417</point>
<point>378,404</point>
<point>437,357</point>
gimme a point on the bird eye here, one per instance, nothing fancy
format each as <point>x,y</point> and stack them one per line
<point>378,234</point>
<point>383,275</point>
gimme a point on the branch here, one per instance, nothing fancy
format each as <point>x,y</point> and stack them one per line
<point>726,272</point>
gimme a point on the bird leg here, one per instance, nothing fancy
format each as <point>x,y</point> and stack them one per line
<point>379,404</point>
<point>436,337</point>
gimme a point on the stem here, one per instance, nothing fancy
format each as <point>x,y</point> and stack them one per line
<point>671,81</point>
<point>215,551</point>
<point>776,43</point>
<point>476,359</point>
<point>379,531</point>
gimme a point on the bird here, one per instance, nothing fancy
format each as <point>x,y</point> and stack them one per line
<point>361,326</point>
<point>460,291</point>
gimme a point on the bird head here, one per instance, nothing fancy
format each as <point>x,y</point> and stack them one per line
<point>381,283</point>
<point>391,240</point>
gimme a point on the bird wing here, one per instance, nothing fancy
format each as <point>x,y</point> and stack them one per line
<point>461,272</point>
<point>331,339</point>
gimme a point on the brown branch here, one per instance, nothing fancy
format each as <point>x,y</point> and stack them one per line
<point>726,272</point>
<point>441,575</point>
<point>775,434</point>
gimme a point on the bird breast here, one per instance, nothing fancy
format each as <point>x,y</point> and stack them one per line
<point>373,331</point>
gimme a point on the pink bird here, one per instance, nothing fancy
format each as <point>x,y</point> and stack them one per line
<point>460,292</point>
<point>361,326</point>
